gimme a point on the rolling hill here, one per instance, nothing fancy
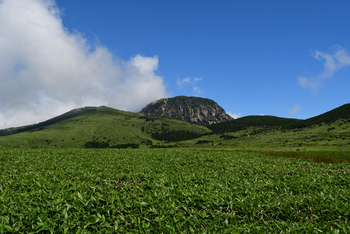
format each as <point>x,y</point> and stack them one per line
<point>100,127</point>
<point>34,127</point>
<point>251,121</point>
<point>342,112</point>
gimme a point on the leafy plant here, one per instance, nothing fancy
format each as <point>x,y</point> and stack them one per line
<point>169,191</point>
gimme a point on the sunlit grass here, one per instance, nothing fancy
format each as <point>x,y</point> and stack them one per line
<point>169,191</point>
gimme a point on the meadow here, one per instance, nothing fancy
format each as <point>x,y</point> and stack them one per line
<point>169,191</point>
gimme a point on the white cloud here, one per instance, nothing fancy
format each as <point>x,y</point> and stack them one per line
<point>235,115</point>
<point>197,91</point>
<point>45,70</point>
<point>295,109</point>
<point>184,81</point>
<point>333,63</point>
<point>192,82</point>
<point>188,81</point>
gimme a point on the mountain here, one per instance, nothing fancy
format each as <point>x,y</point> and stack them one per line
<point>196,110</point>
<point>68,115</point>
<point>100,127</point>
<point>162,124</point>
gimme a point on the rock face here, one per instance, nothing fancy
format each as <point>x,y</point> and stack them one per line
<point>191,109</point>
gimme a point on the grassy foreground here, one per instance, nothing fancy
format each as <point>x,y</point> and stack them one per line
<point>169,191</point>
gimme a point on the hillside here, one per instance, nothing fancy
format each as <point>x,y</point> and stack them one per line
<point>251,121</point>
<point>101,127</point>
<point>342,112</point>
<point>197,110</point>
<point>65,116</point>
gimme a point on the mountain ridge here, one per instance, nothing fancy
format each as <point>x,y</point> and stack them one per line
<point>341,112</point>
<point>105,127</point>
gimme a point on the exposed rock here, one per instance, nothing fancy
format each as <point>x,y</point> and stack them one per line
<point>191,109</point>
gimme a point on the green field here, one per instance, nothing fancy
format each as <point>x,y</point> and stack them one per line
<point>169,191</point>
<point>244,175</point>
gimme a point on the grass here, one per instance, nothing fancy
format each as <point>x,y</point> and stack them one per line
<point>169,191</point>
<point>104,125</point>
<point>329,143</point>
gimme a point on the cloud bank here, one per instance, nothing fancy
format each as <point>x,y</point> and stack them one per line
<point>332,63</point>
<point>46,70</point>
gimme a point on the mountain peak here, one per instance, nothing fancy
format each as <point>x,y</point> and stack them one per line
<point>197,110</point>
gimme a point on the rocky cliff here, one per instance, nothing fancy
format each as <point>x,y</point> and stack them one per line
<point>191,109</point>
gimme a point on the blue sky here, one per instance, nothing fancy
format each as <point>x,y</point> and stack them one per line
<point>249,54</point>
<point>282,58</point>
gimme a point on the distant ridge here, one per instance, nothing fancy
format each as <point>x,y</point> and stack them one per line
<point>196,110</point>
<point>252,121</point>
<point>342,112</point>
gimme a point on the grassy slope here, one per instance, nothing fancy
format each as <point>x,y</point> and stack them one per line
<point>342,112</point>
<point>103,125</point>
<point>329,141</point>
<point>65,116</point>
<point>251,121</point>
<point>325,137</point>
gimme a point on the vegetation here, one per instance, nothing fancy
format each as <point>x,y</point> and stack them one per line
<point>245,175</point>
<point>97,144</point>
<point>169,191</point>
<point>42,125</point>
<point>323,138</point>
<point>342,112</point>
<point>101,127</point>
<point>329,117</point>
<point>174,136</point>
<point>251,121</point>
<point>325,142</point>
<point>193,101</point>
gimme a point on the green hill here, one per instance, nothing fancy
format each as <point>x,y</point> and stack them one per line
<point>65,116</point>
<point>100,127</point>
<point>251,121</point>
<point>342,112</point>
